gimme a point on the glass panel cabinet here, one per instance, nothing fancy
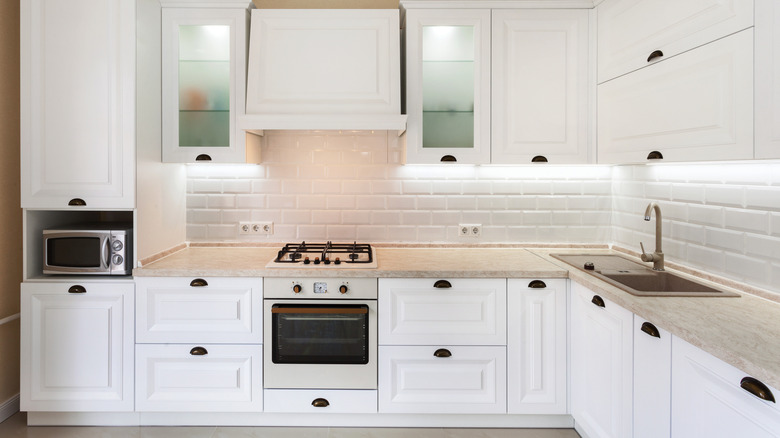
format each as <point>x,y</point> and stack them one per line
<point>448,86</point>
<point>204,75</point>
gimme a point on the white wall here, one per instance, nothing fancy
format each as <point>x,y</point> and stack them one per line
<point>341,187</point>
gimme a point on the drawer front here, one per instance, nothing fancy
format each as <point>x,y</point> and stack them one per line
<point>468,312</point>
<point>469,380</point>
<point>175,378</point>
<point>320,401</point>
<point>185,310</point>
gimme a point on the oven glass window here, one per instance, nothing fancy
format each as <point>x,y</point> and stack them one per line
<point>320,333</point>
<point>76,252</point>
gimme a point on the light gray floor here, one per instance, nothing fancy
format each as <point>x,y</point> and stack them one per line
<point>16,427</point>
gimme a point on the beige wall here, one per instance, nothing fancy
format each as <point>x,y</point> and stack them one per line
<point>11,213</point>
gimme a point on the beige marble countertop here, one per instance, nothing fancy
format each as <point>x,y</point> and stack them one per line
<point>744,331</point>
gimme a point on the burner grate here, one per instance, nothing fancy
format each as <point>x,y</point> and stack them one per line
<point>325,253</point>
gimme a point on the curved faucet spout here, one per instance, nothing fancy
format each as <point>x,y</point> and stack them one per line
<point>657,257</point>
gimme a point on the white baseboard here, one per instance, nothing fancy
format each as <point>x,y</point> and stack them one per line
<point>9,407</point>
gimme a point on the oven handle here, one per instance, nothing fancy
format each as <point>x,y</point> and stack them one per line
<point>318,310</point>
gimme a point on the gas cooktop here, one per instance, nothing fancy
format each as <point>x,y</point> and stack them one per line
<point>325,255</point>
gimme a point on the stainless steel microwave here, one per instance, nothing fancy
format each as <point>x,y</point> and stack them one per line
<point>89,250</point>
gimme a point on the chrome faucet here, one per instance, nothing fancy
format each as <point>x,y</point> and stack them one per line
<point>656,257</point>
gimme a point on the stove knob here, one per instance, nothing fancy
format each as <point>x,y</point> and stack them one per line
<point>297,288</point>
<point>316,260</point>
<point>343,288</point>
<point>326,261</point>
<point>337,261</point>
<point>306,261</point>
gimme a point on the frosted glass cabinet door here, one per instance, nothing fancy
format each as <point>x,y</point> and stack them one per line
<point>448,86</point>
<point>204,64</point>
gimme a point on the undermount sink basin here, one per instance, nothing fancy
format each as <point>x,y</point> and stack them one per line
<point>637,279</point>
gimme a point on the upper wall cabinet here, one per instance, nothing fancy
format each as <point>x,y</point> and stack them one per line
<point>540,86</point>
<point>767,77</point>
<point>448,86</point>
<point>635,33</point>
<point>78,104</point>
<point>204,73</point>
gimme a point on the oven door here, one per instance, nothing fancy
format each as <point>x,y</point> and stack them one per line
<point>327,344</point>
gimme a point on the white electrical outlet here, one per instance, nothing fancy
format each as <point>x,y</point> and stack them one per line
<point>261,228</point>
<point>469,230</point>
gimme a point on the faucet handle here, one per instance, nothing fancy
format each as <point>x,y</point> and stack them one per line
<point>645,256</point>
<point>643,247</point>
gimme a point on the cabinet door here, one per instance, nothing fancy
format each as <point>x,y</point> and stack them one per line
<point>216,310</point>
<point>696,106</point>
<point>601,365</point>
<point>536,346</point>
<point>448,86</point>
<point>767,79</point>
<point>320,401</point>
<point>429,311</point>
<point>540,86</point>
<point>77,347</point>
<point>709,401</point>
<point>652,380</point>
<point>629,31</point>
<point>442,379</point>
<point>204,77</point>
<point>197,378</point>
<point>78,104</point>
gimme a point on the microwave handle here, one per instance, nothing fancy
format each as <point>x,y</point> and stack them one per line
<point>106,252</point>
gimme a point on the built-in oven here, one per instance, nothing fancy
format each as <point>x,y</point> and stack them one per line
<point>320,333</point>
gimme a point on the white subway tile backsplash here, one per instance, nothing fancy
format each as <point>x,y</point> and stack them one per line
<point>729,196</point>
<point>747,268</point>
<point>706,215</point>
<point>416,218</point>
<point>432,202</point>
<point>206,186</point>
<point>280,201</point>
<point>437,233</point>
<point>417,187</point>
<point>341,202</point>
<point>356,217</point>
<point>724,239</point>
<point>221,201</point>
<point>747,220</point>
<point>326,217</point>
<point>312,202</point>
<point>196,201</point>
<point>767,198</point>
<point>459,203</point>
<point>296,187</point>
<point>370,202</point>
<point>326,187</point>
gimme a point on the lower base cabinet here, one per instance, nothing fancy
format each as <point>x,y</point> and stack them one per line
<point>710,398</point>
<point>442,379</point>
<point>321,401</point>
<point>199,378</point>
<point>652,380</point>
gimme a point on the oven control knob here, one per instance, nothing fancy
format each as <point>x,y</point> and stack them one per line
<point>297,288</point>
<point>343,288</point>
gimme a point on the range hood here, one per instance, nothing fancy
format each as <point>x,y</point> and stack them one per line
<point>324,69</point>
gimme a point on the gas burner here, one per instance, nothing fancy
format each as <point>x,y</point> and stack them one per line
<point>325,255</point>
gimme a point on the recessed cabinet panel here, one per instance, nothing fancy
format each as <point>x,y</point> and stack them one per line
<point>468,312</point>
<point>78,103</point>
<point>629,31</point>
<point>540,86</point>
<point>448,86</point>
<point>204,63</point>
<point>697,106</point>
<point>767,75</point>
<point>77,349</point>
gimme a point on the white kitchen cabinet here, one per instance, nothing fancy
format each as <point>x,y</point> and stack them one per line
<point>78,104</point>
<point>77,346</point>
<point>540,86</point>
<point>334,401</point>
<point>536,346</point>
<point>693,107</point>
<point>204,82</point>
<point>442,379</point>
<point>630,31</point>
<point>767,77</point>
<point>652,380</point>
<point>199,378</point>
<point>326,62</point>
<point>460,311</point>
<point>448,86</point>
<point>199,310</point>
<point>709,400</point>
<point>601,365</point>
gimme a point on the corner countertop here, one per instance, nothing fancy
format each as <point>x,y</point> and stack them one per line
<point>744,331</point>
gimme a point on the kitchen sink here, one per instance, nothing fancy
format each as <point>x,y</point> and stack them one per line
<point>636,279</point>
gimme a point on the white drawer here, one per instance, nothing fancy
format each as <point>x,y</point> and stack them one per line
<point>471,380</point>
<point>181,310</point>
<point>174,378</point>
<point>438,311</point>
<point>320,400</point>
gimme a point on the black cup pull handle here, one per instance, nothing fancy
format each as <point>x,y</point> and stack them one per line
<point>320,403</point>
<point>537,284</point>
<point>655,155</point>
<point>442,352</point>
<point>203,157</point>
<point>199,282</point>
<point>77,289</point>
<point>539,159</point>
<point>757,388</point>
<point>656,54</point>
<point>448,159</point>
<point>77,202</point>
<point>442,284</point>
<point>651,330</point>
<point>597,300</point>
<point>198,351</point>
